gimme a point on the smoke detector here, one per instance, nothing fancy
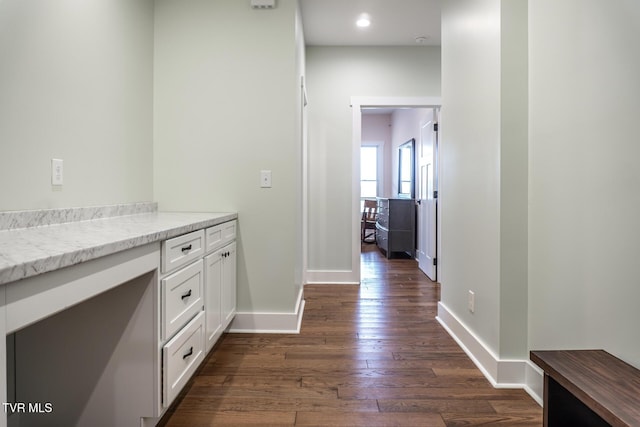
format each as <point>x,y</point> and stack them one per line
<point>263,4</point>
<point>421,39</point>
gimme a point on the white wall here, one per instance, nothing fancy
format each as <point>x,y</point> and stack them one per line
<point>514,194</point>
<point>76,84</point>
<point>483,179</point>
<point>584,177</point>
<point>227,105</point>
<point>470,168</point>
<point>334,75</point>
<point>405,125</point>
<point>579,199</point>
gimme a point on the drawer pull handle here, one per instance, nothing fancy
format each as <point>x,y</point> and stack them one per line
<point>186,248</point>
<point>188,353</point>
<point>187,295</point>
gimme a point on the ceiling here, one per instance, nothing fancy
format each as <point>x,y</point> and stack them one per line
<point>393,22</point>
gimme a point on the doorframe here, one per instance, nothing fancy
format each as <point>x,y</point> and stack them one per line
<point>357,104</point>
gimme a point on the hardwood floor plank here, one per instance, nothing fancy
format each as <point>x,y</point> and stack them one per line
<point>439,406</point>
<point>465,420</point>
<point>250,381</point>
<point>215,404</point>
<point>233,418</point>
<point>263,391</point>
<point>309,419</point>
<point>423,342</point>
<point>342,354</point>
<point>481,392</point>
<point>355,385</point>
<point>515,407</point>
<point>268,341</point>
<point>293,371</point>
<point>420,364</point>
<point>368,355</point>
<point>458,372</point>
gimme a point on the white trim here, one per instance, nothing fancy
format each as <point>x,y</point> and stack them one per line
<point>396,101</point>
<point>305,184</point>
<point>501,373</point>
<point>333,277</point>
<point>270,323</point>
<point>356,136</point>
<point>357,103</point>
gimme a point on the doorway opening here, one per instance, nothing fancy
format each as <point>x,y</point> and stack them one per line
<point>405,119</point>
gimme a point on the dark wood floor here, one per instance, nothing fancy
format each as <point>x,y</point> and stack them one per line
<point>368,355</point>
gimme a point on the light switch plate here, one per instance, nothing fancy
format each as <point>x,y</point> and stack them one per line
<point>263,4</point>
<point>57,172</point>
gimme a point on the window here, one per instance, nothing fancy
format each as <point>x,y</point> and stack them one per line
<point>368,171</point>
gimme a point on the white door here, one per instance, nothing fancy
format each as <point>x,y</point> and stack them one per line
<point>427,196</point>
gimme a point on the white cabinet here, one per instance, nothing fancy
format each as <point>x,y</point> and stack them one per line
<point>199,272</point>
<point>181,316</point>
<point>220,281</point>
<point>110,327</point>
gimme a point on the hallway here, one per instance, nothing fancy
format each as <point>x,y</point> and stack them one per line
<point>369,355</point>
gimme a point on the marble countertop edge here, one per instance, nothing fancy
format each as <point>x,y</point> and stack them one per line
<point>33,251</point>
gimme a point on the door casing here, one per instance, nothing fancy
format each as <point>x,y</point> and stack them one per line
<point>357,104</point>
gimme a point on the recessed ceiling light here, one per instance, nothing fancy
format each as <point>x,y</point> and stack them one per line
<point>363,21</point>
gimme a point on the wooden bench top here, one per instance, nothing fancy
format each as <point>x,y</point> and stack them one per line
<point>604,383</point>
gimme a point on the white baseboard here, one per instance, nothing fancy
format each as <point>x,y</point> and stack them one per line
<point>270,323</point>
<point>501,373</point>
<point>332,277</point>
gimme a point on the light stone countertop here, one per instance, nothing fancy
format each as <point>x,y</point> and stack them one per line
<point>27,252</point>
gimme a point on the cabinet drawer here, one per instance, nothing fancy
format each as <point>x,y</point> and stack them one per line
<point>181,297</point>
<point>181,357</point>
<point>382,238</point>
<point>219,235</point>
<point>383,220</point>
<point>182,250</point>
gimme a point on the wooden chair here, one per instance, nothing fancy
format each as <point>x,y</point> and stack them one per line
<point>368,222</point>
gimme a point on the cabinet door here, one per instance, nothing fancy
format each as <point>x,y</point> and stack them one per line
<point>212,297</point>
<point>228,283</point>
